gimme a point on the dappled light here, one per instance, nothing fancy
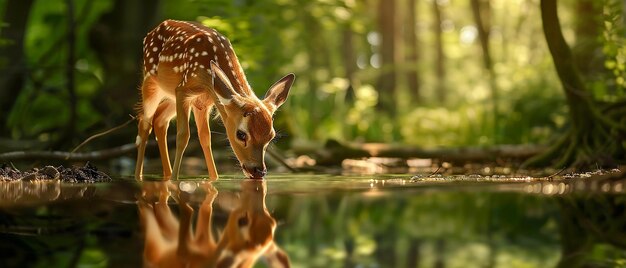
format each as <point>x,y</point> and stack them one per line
<point>312,133</point>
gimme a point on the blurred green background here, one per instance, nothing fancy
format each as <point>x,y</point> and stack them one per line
<point>427,73</point>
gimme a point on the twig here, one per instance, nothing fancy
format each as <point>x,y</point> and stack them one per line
<point>556,174</point>
<point>436,171</point>
<point>132,118</point>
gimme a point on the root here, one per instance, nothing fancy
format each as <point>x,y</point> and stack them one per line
<point>598,145</point>
<point>607,120</point>
<point>568,156</point>
<point>543,159</point>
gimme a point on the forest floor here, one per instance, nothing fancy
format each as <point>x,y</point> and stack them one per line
<point>86,174</point>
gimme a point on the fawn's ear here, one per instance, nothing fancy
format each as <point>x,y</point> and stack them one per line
<point>277,94</point>
<point>222,86</point>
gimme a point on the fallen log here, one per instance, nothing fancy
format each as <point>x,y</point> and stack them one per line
<point>334,152</point>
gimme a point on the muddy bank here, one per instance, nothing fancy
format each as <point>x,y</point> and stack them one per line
<point>86,174</point>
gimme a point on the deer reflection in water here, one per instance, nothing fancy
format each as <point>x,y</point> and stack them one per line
<point>171,242</point>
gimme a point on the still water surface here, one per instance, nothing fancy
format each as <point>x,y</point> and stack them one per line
<point>316,221</point>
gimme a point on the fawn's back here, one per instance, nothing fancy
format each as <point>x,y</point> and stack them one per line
<point>176,52</point>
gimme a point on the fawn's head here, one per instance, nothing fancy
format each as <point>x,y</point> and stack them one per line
<point>249,231</point>
<point>248,120</point>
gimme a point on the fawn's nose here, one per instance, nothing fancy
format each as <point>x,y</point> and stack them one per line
<point>255,171</point>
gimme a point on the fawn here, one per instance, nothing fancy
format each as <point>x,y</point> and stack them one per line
<point>188,66</point>
<point>171,242</point>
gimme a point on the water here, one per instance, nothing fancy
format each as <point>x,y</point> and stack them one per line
<point>318,221</point>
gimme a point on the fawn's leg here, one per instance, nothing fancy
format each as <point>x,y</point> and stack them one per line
<point>150,98</point>
<point>168,223</point>
<point>203,237</point>
<point>153,245</point>
<point>182,129</point>
<point>185,240</point>
<point>204,135</point>
<point>164,114</point>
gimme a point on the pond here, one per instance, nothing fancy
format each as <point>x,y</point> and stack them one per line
<point>317,221</point>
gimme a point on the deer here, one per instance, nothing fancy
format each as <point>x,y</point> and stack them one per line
<point>190,67</point>
<point>172,241</point>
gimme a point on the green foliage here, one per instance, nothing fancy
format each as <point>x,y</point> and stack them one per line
<point>42,108</point>
<point>614,48</point>
<point>275,37</point>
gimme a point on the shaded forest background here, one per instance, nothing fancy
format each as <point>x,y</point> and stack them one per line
<point>425,73</point>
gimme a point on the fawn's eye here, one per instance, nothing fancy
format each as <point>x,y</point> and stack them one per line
<point>241,135</point>
<point>243,221</point>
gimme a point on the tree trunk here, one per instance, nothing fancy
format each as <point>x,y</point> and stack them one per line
<point>597,134</point>
<point>318,55</point>
<point>411,52</point>
<point>349,60</point>
<point>70,125</point>
<point>573,86</point>
<point>440,59</point>
<point>587,50</point>
<point>481,12</point>
<point>117,39</point>
<point>387,79</point>
<point>482,15</point>
<point>13,65</point>
<point>414,255</point>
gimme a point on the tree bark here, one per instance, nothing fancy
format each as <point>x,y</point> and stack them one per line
<point>70,126</point>
<point>13,65</point>
<point>571,81</point>
<point>387,79</point>
<point>440,58</point>
<point>318,55</point>
<point>411,51</point>
<point>587,49</point>
<point>117,38</point>
<point>349,60</point>
<point>481,11</point>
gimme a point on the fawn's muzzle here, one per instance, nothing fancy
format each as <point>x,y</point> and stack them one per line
<point>255,171</point>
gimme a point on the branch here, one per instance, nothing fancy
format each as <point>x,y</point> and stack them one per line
<point>60,155</point>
